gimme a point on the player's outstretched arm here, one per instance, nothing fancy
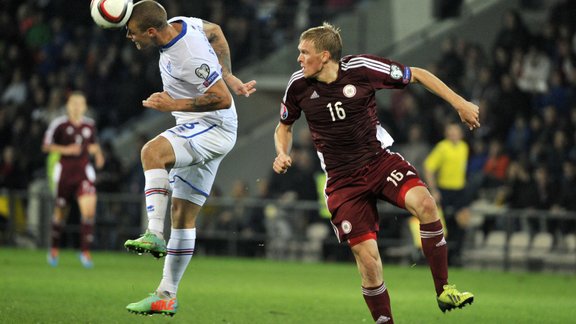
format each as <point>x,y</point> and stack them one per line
<point>468,112</point>
<point>283,144</point>
<point>220,45</point>
<point>215,98</point>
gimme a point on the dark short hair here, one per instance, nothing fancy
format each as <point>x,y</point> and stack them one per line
<point>149,14</point>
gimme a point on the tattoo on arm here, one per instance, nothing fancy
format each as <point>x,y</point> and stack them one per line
<point>205,102</point>
<point>220,46</point>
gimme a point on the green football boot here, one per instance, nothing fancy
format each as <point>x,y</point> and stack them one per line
<point>451,298</point>
<point>148,242</point>
<point>154,305</point>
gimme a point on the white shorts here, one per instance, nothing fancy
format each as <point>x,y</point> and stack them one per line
<point>199,147</point>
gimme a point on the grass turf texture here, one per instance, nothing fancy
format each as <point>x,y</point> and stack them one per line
<point>227,290</point>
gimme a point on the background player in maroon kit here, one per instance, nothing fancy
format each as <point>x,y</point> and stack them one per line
<point>73,137</point>
<point>337,97</point>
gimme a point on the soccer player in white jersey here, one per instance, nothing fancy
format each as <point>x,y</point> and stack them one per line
<point>337,96</point>
<point>195,69</point>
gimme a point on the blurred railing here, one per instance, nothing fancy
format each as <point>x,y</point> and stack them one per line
<point>502,238</point>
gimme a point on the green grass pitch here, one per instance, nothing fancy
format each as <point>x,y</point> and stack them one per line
<point>228,290</point>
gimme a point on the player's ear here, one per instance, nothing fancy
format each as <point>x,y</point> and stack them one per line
<point>325,56</point>
<point>151,31</point>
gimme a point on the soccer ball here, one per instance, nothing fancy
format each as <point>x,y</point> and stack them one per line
<point>111,13</point>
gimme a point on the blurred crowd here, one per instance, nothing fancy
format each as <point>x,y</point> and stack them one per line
<point>524,155</point>
<point>51,47</point>
<point>525,85</point>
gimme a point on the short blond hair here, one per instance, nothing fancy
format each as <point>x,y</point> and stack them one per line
<point>325,38</point>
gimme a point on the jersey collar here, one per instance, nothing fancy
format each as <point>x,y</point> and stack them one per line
<point>177,38</point>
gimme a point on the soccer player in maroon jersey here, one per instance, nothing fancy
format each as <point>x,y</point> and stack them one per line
<point>73,137</point>
<point>337,96</point>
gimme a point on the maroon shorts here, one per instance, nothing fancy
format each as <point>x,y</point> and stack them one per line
<point>71,184</point>
<point>352,199</point>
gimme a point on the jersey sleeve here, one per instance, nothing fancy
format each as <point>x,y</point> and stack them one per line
<point>93,138</point>
<point>51,132</point>
<point>203,69</point>
<point>196,23</point>
<point>201,73</point>
<point>290,111</point>
<point>386,74</point>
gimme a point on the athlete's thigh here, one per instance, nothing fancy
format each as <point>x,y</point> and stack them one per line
<point>199,141</point>
<point>392,177</point>
<point>194,183</point>
<point>353,208</point>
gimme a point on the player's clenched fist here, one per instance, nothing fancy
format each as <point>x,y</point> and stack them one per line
<point>282,163</point>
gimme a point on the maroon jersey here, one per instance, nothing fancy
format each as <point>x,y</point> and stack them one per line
<point>342,115</point>
<point>62,132</point>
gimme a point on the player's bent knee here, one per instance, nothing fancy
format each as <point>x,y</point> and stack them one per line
<point>423,206</point>
<point>156,153</point>
<point>427,210</point>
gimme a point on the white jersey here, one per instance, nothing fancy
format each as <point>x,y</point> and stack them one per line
<point>189,66</point>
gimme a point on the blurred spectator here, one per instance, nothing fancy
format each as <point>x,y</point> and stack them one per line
<point>451,69</point>
<point>416,148</point>
<point>509,103</point>
<point>496,165</point>
<point>547,191</point>
<point>474,173</point>
<point>558,95</point>
<point>518,139</point>
<point>17,91</point>
<point>513,33</point>
<point>111,175</point>
<point>10,171</point>
<point>535,71</point>
<point>556,154</point>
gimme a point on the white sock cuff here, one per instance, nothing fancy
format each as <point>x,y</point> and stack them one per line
<point>156,173</point>
<point>183,234</point>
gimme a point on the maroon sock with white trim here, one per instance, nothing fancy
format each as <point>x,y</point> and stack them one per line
<point>436,253</point>
<point>378,302</point>
<point>55,235</point>
<point>86,236</point>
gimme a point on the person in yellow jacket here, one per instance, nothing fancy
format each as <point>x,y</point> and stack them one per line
<point>445,174</point>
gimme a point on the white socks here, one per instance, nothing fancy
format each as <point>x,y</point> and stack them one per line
<point>156,190</point>
<point>180,251</point>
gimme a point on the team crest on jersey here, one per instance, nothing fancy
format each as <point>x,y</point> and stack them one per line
<point>86,132</point>
<point>395,72</point>
<point>203,71</point>
<point>349,90</point>
<point>283,111</point>
<point>346,227</point>
<point>69,130</point>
